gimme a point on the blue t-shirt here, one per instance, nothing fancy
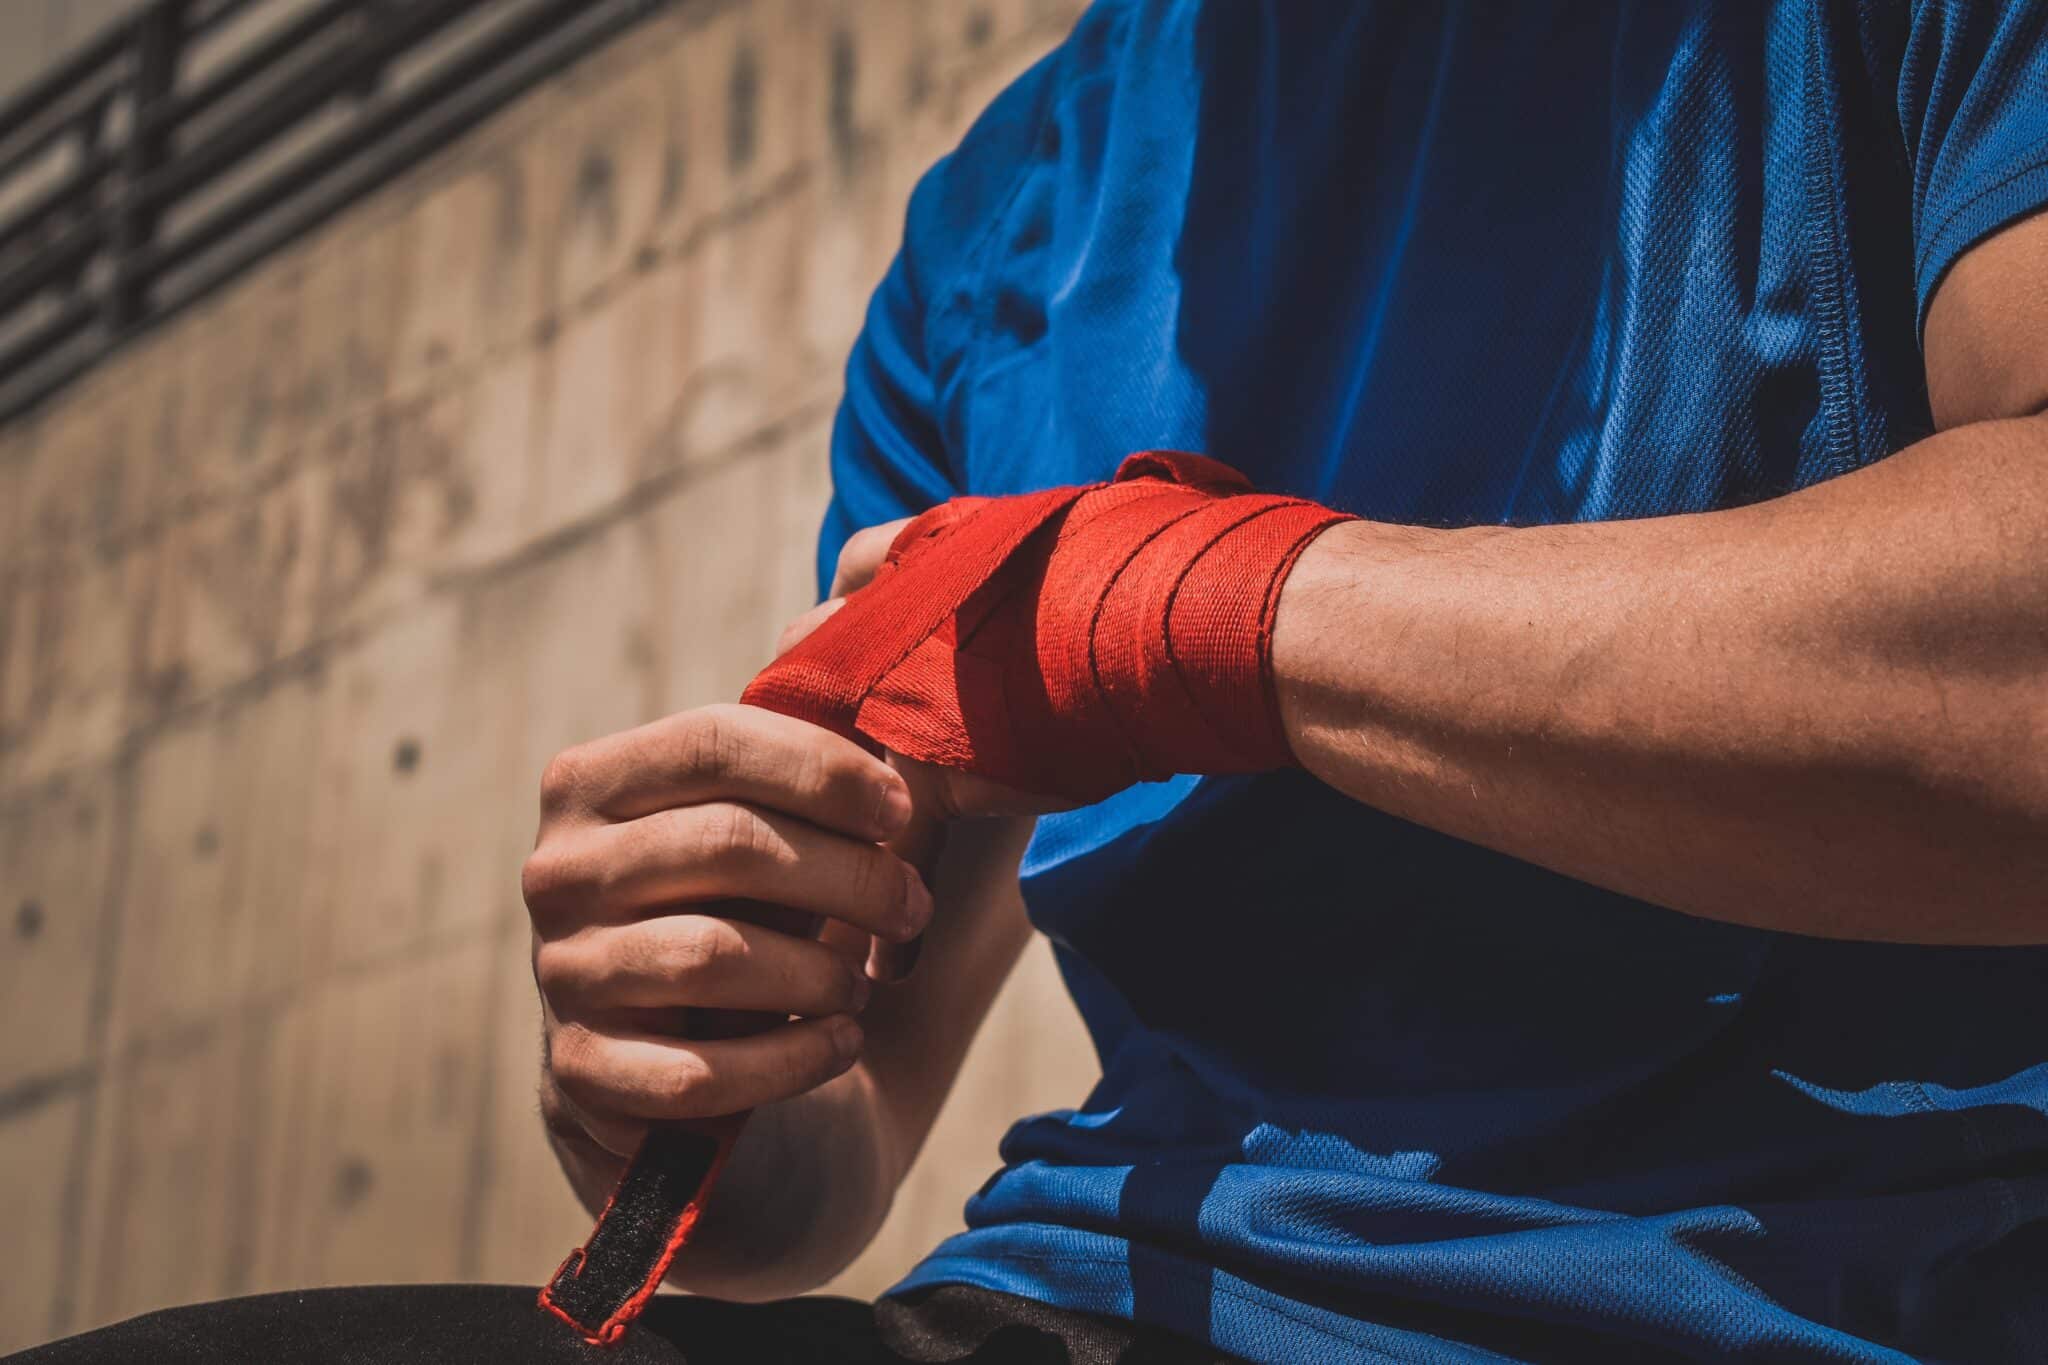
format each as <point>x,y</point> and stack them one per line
<point>1369,1091</point>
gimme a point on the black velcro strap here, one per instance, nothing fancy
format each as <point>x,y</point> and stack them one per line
<point>604,1283</point>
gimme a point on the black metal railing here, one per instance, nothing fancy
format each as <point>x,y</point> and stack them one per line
<point>197,136</point>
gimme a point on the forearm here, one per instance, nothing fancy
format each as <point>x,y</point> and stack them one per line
<point>1825,713</point>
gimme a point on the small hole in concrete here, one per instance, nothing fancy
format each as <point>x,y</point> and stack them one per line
<point>352,1180</point>
<point>406,757</point>
<point>206,842</point>
<point>28,920</point>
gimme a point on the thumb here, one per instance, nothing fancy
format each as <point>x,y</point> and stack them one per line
<point>795,632</point>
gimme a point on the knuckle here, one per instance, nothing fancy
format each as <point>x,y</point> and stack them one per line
<point>716,835</point>
<point>736,839</point>
<point>873,881</point>
<point>802,769</point>
<point>697,836</point>
<point>692,1082</point>
<point>711,742</point>
<point>702,947</point>
<point>550,970</point>
<point>847,774</point>
<point>757,835</point>
<point>812,770</point>
<point>543,878</point>
<point>562,779</point>
<point>570,1056</point>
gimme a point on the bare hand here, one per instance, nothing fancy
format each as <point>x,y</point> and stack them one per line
<point>651,845</point>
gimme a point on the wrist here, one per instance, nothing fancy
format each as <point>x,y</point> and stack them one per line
<point>1337,625</point>
<point>1072,641</point>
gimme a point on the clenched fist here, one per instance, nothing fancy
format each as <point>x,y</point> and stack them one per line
<point>721,859</point>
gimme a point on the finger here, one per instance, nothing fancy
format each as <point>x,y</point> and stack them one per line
<point>735,753</point>
<point>640,1075</point>
<point>795,632</point>
<point>723,851</point>
<point>850,943</point>
<point>619,1135</point>
<point>702,961</point>
<point>920,844</point>
<point>862,555</point>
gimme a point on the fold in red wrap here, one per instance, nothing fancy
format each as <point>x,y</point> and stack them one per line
<point>1068,642</point>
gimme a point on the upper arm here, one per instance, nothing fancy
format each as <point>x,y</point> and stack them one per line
<point>1987,330</point>
<point>1973,116</point>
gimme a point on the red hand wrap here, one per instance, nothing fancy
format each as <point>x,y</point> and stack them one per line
<point>1069,642</point>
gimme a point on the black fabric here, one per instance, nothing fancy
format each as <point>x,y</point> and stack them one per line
<point>501,1325</point>
<point>627,1247</point>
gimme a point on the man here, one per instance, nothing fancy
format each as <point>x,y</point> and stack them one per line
<point>1565,1006</point>
<point>1640,969</point>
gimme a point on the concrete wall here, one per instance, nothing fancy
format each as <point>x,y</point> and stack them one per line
<point>297,597</point>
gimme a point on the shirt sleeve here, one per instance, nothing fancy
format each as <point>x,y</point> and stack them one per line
<point>891,456</point>
<point>1973,105</point>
